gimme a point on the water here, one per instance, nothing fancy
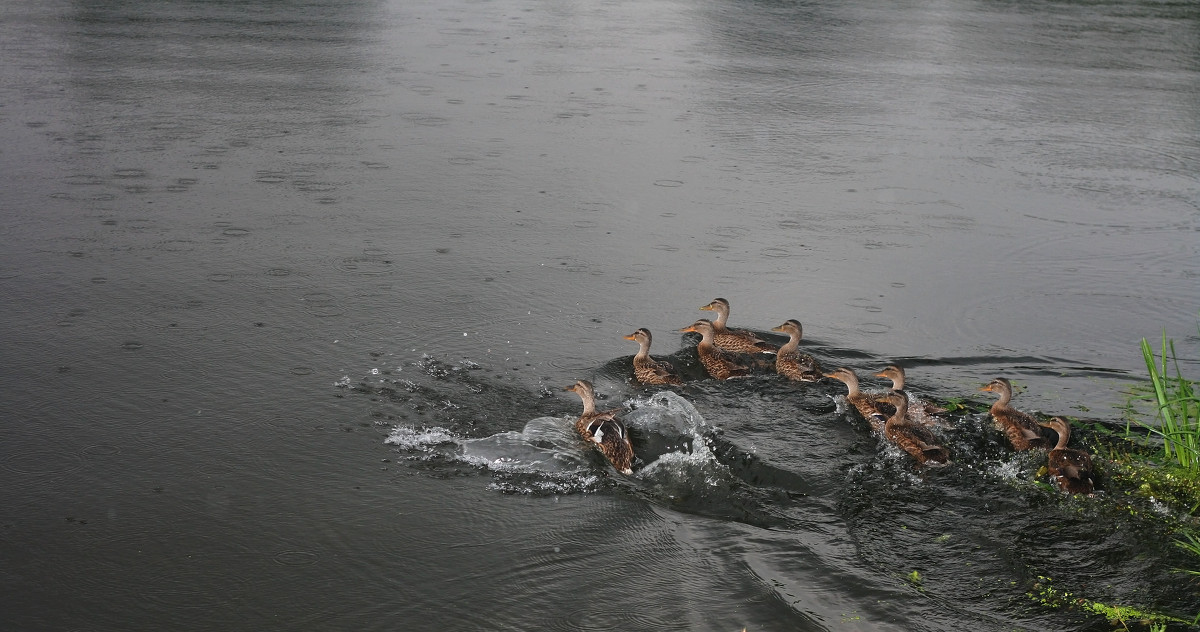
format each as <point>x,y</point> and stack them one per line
<point>291,291</point>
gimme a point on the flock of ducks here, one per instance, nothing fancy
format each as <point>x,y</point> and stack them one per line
<point>894,415</point>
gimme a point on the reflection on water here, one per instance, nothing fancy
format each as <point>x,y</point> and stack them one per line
<point>213,211</point>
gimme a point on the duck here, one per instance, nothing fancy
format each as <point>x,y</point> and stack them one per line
<point>737,340</point>
<point>913,438</point>
<point>1022,430</point>
<point>919,410</point>
<point>647,370</point>
<point>872,409</point>
<point>603,428</point>
<point>789,362</point>
<point>717,362</point>
<point>1070,469</point>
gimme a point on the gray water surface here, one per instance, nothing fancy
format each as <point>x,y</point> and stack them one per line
<point>272,271</point>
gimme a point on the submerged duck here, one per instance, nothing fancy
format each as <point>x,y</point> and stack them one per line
<point>1070,469</point>
<point>603,428</point>
<point>789,362</point>
<point>919,410</point>
<point>866,405</point>
<point>738,340</point>
<point>913,438</point>
<point>647,370</point>
<point>718,362</point>
<point>1022,430</point>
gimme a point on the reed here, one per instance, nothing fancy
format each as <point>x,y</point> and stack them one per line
<point>1178,408</point>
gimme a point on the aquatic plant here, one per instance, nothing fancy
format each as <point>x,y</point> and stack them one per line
<point>1046,594</point>
<point>1191,544</point>
<point>1177,406</point>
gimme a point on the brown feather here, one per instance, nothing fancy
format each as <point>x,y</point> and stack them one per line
<point>647,370</point>
<point>718,363</point>
<point>913,438</point>
<point>868,406</point>
<point>1069,468</point>
<point>614,440</point>
<point>792,364</point>
<point>735,340</point>
<point>1022,430</point>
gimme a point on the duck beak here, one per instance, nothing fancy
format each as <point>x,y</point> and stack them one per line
<point>779,328</point>
<point>630,337</point>
<point>569,388</point>
<point>880,375</point>
<point>707,308</point>
<point>688,329</point>
<point>987,388</point>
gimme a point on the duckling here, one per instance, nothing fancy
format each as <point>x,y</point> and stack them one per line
<point>647,370</point>
<point>873,410</point>
<point>913,438</point>
<point>789,362</point>
<point>920,410</point>
<point>1070,469</point>
<point>603,428</point>
<point>737,340</point>
<point>1022,430</point>
<point>718,362</point>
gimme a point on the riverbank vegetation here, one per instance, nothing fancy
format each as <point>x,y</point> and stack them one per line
<point>1151,471</point>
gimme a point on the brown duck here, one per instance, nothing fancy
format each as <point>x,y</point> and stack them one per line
<point>603,428</point>
<point>919,410</point>
<point>913,438</point>
<point>737,340</point>
<point>873,410</point>
<point>719,363</point>
<point>647,370</point>
<point>1070,469</point>
<point>1022,430</point>
<point>792,364</point>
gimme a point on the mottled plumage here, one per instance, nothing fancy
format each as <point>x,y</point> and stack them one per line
<point>603,428</point>
<point>1022,430</point>
<point>792,364</point>
<point>647,370</point>
<point>919,410</point>
<point>874,411</point>
<point>913,438</point>
<point>1070,469</point>
<point>718,363</point>
<point>736,340</point>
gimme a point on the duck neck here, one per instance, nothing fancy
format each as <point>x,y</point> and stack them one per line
<point>589,404</point>
<point>851,385</point>
<point>719,321</point>
<point>643,351</point>
<point>1064,436</point>
<point>1005,394</point>
<point>898,382</point>
<point>792,345</point>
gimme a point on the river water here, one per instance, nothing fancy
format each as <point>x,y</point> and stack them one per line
<point>291,291</point>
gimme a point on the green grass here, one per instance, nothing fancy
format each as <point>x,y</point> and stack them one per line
<point>1176,404</point>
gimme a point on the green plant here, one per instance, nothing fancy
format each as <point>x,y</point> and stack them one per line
<point>1046,594</point>
<point>1177,406</point>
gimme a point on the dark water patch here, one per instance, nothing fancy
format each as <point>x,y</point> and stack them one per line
<point>101,450</point>
<point>296,558</point>
<point>42,463</point>
<point>368,266</point>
